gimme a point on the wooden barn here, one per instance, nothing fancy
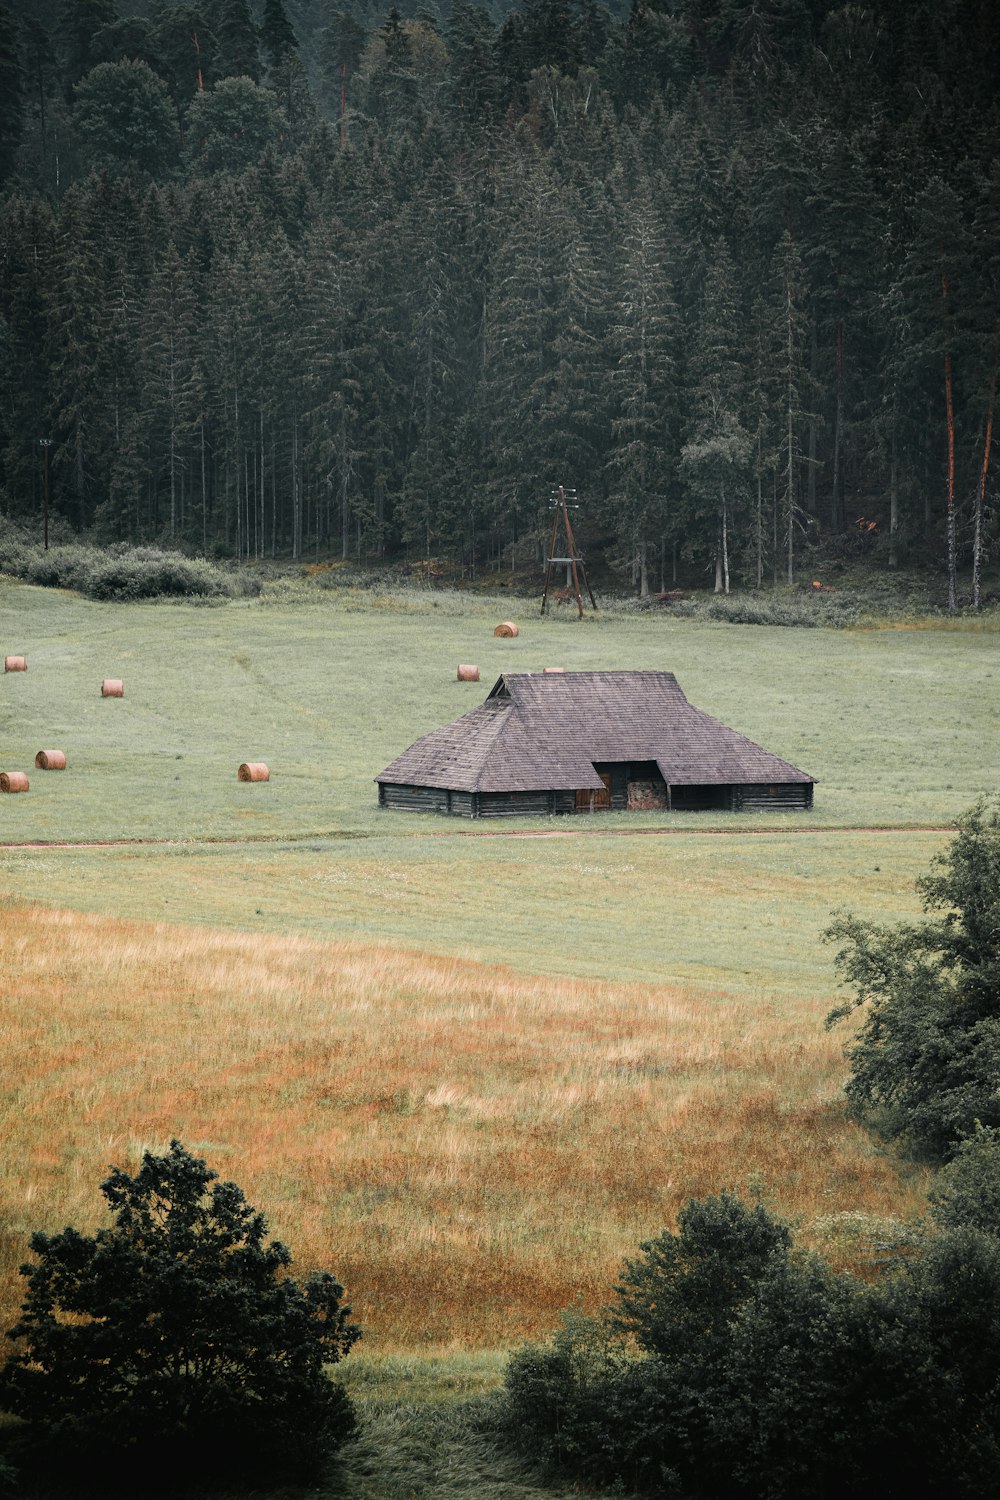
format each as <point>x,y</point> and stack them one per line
<point>582,741</point>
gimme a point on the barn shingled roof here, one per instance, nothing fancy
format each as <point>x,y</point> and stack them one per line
<point>546,732</point>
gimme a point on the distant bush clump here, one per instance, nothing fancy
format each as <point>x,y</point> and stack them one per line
<point>734,1364</point>
<point>122,573</point>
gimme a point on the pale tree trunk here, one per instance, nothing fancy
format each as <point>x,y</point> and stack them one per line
<point>725,540</point>
<point>836,502</point>
<point>204,494</point>
<point>345,518</point>
<point>811,481</point>
<point>172,389</point>
<point>790,426</point>
<point>760,515</point>
<point>893,491</point>
<point>950,413</point>
<point>977,536</point>
<point>296,495</point>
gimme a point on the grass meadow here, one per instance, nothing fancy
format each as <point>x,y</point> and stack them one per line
<point>467,1068</point>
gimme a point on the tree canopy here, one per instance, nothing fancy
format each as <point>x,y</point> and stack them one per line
<point>926,1060</point>
<point>729,271</point>
<point>179,1326</point>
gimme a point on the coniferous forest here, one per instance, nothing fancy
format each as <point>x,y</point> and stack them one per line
<point>307,279</point>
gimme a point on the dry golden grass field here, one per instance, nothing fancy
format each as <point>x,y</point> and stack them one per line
<point>311,994</point>
<point>468,1148</point>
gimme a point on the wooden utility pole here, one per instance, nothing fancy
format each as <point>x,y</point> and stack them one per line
<point>561,509</point>
<point>46,444</point>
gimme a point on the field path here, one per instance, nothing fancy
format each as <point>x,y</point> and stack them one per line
<point>468,833</point>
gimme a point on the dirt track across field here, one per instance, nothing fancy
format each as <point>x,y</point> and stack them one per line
<point>275,840</point>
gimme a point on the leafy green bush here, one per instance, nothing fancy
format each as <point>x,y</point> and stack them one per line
<point>146,574</point>
<point>123,573</point>
<point>967,1193</point>
<point>925,1063</point>
<point>733,1364</point>
<point>178,1330</point>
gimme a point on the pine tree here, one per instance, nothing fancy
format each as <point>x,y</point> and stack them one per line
<point>277,36</point>
<point>11,91</point>
<point>238,39</point>
<point>78,23</point>
<point>789,294</point>
<point>716,454</point>
<point>644,338</point>
<point>438,336</point>
<point>167,368</point>
<point>29,273</point>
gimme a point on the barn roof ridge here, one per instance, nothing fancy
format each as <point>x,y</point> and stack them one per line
<point>537,731</point>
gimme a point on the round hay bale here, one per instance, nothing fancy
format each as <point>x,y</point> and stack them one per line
<point>467,673</point>
<point>112,687</point>
<point>506,629</point>
<point>50,760</point>
<point>547,671</point>
<point>253,770</point>
<point>13,781</point>
<point>15,664</point>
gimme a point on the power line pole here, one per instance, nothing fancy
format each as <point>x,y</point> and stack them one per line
<point>561,509</point>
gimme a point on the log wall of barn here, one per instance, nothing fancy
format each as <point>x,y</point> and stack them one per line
<point>792,796</point>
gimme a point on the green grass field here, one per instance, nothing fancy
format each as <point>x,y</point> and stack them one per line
<point>899,727</point>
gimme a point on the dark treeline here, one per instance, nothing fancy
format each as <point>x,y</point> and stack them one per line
<point>313,281</point>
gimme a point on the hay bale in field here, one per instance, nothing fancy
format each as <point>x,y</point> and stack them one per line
<point>253,770</point>
<point>506,629</point>
<point>15,664</point>
<point>112,687</point>
<point>547,671</point>
<point>13,781</point>
<point>50,760</point>
<point>467,673</point>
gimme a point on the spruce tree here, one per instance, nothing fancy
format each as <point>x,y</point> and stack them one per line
<point>644,337</point>
<point>277,36</point>
<point>238,39</point>
<point>716,454</point>
<point>11,91</point>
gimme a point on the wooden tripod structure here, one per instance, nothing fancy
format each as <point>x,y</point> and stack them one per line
<point>561,509</point>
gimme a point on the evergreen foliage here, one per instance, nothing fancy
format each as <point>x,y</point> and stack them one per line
<point>550,225</point>
<point>178,1329</point>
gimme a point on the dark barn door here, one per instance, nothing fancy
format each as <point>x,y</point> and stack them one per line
<point>594,801</point>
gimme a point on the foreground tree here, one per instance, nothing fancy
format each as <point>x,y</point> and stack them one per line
<point>926,1061</point>
<point>177,1328</point>
<point>736,1364</point>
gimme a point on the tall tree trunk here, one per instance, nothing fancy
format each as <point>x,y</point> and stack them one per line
<point>977,536</point>
<point>950,412</point>
<point>204,493</point>
<point>812,466</point>
<point>274,500</point>
<point>261,533</point>
<point>345,515</point>
<point>760,512</point>
<point>296,496</point>
<point>790,425</point>
<point>893,489</point>
<point>836,499</point>
<point>79,473</point>
<point>725,540</point>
